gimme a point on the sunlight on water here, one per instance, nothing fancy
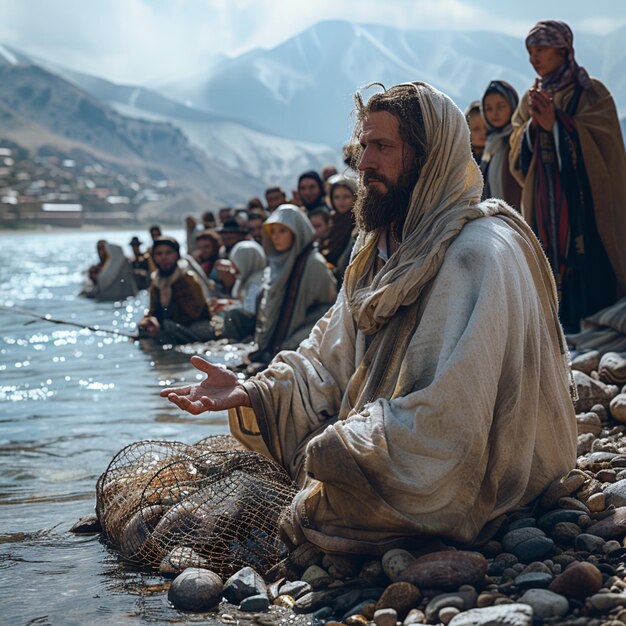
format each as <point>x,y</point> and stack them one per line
<point>71,398</point>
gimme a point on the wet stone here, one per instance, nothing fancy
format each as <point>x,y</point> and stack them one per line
<point>578,581</point>
<point>259,602</point>
<point>446,569</point>
<point>504,615</point>
<point>537,566</point>
<point>545,604</point>
<point>395,562</point>
<point>400,596</point>
<point>527,544</point>
<point>87,525</point>
<point>548,521</point>
<point>612,526</point>
<point>447,614</point>
<point>615,494</point>
<point>385,617</point>
<point>607,601</point>
<point>534,580</point>
<point>588,543</point>
<point>564,533</point>
<point>295,588</point>
<point>243,584</point>
<point>316,577</point>
<point>596,502</point>
<point>573,504</point>
<point>461,600</point>
<point>415,616</point>
<point>195,590</point>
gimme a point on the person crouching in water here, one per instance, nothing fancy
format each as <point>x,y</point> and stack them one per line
<point>299,288</point>
<point>178,310</point>
<point>497,106</point>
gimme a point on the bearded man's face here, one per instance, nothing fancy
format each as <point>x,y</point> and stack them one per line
<point>388,171</point>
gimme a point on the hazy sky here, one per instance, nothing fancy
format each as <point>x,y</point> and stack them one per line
<point>154,41</point>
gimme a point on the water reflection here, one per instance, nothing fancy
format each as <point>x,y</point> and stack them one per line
<point>71,398</point>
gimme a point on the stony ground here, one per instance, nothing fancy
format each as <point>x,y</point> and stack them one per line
<point>561,562</point>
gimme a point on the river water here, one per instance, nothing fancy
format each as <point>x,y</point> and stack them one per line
<point>69,400</point>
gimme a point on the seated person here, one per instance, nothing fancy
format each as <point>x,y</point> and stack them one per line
<point>299,287</point>
<point>434,396</point>
<point>112,277</point>
<point>235,317</point>
<point>178,310</point>
<point>207,251</point>
<point>141,264</point>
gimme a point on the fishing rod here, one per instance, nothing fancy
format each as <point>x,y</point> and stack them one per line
<point>48,318</point>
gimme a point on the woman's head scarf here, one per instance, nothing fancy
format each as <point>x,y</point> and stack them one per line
<point>557,34</point>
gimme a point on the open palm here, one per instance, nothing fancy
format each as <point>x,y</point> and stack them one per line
<point>218,391</point>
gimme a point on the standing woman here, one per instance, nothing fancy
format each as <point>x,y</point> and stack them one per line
<point>567,152</point>
<point>498,105</point>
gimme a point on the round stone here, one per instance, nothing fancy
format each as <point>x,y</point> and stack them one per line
<point>401,597</point>
<point>545,604</point>
<point>578,581</point>
<point>256,603</point>
<point>527,544</point>
<point>395,562</point>
<point>446,569</point>
<point>615,494</point>
<point>510,614</point>
<point>613,525</point>
<point>533,580</point>
<point>447,613</point>
<point>385,617</point>
<point>586,542</point>
<point>196,590</point>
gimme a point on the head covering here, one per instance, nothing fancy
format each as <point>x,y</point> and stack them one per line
<point>472,107</point>
<point>280,266</point>
<point>135,241</point>
<point>232,226</point>
<point>496,153</point>
<point>315,176</point>
<point>444,198</point>
<point>557,34</point>
<point>341,180</point>
<point>170,242</point>
<point>505,90</point>
<point>343,223</point>
<point>249,258</point>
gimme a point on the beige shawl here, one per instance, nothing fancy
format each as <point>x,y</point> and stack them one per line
<point>433,397</point>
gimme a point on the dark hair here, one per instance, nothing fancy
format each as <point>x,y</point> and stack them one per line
<point>402,101</point>
<point>313,175</point>
<point>325,213</point>
<point>274,189</point>
<point>211,234</point>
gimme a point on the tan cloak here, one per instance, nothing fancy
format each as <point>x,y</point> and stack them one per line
<point>602,147</point>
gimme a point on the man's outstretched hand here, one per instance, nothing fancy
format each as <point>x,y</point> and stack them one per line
<point>218,391</point>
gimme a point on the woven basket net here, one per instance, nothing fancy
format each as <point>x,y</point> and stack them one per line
<point>212,504</point>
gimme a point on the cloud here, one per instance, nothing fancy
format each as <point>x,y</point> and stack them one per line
<point>156,41</point>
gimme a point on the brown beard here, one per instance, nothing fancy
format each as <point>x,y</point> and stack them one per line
<point>374,210</point>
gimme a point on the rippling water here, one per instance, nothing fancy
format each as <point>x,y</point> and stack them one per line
<point>69,400</point>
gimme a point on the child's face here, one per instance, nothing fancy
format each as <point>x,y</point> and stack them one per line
<point>281,236</point>
<point>320,226</point>
<point>478,131</point>
<point>497,110</point>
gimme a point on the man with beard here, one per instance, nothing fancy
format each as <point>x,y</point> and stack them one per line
<point>434,396</point>
<point>311,191</point>
<point>176,298</point>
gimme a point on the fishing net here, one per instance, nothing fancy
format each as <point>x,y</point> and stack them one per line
<point>213,504</point>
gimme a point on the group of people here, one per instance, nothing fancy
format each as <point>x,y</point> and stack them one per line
<point>557,155</point>
<point>435,395</point>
